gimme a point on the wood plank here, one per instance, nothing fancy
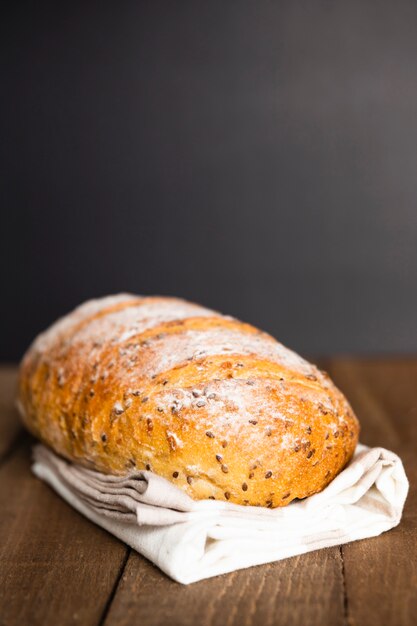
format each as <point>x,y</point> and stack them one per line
<point>393,382</point>
<point>381,573</point>
<point>10,424</point>
<point>55,566</point>
<point>304,590</point>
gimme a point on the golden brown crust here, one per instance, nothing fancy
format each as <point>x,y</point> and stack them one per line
<point>214,405</point>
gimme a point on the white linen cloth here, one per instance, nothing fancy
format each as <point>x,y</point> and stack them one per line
<point>192,540</point>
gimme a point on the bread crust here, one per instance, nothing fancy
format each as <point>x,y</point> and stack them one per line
<point>212,404</point>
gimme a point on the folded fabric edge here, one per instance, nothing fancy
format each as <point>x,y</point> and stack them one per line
<point>174,567</point>
<point>188,570</point>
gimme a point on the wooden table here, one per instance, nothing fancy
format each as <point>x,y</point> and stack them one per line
<point>57,568</point>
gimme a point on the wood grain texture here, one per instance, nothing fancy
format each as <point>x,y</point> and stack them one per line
<point>55,566</point>
<point>381,574</point>
<point>304,590</point>
<point>10,424</point>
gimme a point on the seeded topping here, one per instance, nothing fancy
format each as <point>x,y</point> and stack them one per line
<point>231,404</point>
<point>172,441</point>
<point>118,409</point>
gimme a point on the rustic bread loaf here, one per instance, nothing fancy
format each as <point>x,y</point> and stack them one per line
<point>214,405</point>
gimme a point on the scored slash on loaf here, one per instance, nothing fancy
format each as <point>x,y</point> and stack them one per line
<point>214,405</point>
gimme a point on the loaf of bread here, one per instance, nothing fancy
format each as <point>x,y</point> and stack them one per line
<point>214,405</point>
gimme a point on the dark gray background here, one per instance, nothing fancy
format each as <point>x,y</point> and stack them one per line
<point>258,157</point>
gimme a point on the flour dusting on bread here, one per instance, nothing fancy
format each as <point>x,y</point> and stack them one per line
<point>213,404</point>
